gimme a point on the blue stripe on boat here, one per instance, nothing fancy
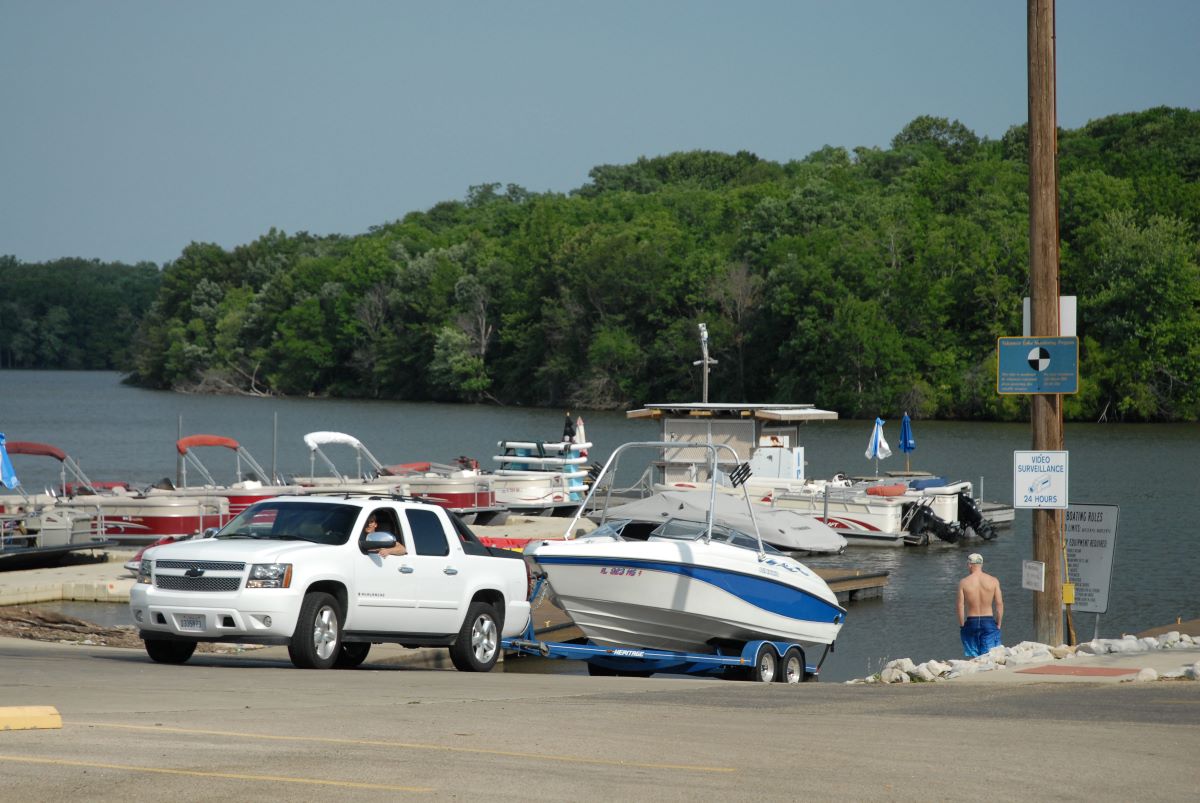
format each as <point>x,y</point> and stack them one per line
<point>762,592</point>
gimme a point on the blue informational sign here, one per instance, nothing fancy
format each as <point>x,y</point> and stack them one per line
<point>1037,365</point>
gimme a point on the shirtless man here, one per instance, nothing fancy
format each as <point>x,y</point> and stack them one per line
<point>979,629</point>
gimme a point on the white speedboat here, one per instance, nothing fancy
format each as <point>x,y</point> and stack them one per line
<point>541,478</point>
<point>690,586</point>
<point>883,512</point>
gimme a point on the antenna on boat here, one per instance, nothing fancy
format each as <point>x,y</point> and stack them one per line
<point>704,360</point>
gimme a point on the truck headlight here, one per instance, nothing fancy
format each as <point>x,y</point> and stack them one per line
<point>146,572</point>
<point>270,575</point>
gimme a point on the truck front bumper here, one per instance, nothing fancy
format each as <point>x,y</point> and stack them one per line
<point>266,616</point>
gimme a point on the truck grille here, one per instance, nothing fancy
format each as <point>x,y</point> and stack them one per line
<point>175,582</point>
<point>206,565</point>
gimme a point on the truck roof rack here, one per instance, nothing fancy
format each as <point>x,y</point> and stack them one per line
<point>372,495</point>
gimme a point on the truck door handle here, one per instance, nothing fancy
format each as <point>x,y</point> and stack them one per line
<point>406,570</point>
<point>450,570</point>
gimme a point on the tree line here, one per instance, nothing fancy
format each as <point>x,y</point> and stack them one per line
<point>872,280</point>
<point>72,313</point>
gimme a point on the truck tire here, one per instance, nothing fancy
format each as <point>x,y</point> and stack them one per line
<point>352,654</point>
<point>317,640</point>
<point>169,652</point>
<point>478,644</point>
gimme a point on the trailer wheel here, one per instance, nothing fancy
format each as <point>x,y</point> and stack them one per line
<point>765,664</point>
<point>791,668</point>
<point>478,644</point>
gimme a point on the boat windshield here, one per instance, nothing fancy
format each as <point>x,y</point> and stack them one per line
<point>610,529</point>
<point>685,530</point>
<point>320,523</point>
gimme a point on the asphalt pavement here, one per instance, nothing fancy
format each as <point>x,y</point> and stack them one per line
<point>250,725</point>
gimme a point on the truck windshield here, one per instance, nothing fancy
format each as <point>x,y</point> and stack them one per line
<point>302,521</point>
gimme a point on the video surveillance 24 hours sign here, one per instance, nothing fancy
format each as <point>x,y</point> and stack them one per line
<point>1040,480</point>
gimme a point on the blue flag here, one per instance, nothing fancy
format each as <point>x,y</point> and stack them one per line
<point>8,477</point>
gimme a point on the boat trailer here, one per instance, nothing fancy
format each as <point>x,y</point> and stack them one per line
<point>762,661</point>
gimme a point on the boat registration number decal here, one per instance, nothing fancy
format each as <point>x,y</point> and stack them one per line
<point>620,570</point>
<point>191,622</point>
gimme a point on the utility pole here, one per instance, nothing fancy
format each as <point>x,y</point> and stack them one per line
<point>1045,408</point>
<point>704,360</point>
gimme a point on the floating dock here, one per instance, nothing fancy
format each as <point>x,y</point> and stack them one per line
<point>851,585</point>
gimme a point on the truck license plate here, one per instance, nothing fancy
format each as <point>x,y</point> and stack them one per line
<point>191,622</point>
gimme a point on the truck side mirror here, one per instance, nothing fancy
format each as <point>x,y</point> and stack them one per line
<point>380,539</point>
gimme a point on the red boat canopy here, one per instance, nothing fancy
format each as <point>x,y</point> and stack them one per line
<point>191,441</point>
<point>401,469</point>
<point>39,449</point>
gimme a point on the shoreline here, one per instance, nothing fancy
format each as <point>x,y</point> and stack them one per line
<point>103,578</point>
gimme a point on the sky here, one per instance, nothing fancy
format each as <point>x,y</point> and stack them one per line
<point>130,128</point>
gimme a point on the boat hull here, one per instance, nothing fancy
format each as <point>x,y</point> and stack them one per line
<point>144,520</point>
<point>654,595</point>
<point>542,493</point>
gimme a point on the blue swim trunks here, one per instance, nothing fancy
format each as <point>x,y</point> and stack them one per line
<point>979,635</point>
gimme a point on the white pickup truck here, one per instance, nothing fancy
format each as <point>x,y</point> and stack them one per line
<point>302,571</point>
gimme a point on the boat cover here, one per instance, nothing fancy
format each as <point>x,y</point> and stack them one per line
<point>192,441</point>
<point>314,440</point>
<point>783,528</point>
<point>927,482</point>
<point>37,449</point>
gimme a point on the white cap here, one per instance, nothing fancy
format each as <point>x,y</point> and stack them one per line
<point>975,558</point>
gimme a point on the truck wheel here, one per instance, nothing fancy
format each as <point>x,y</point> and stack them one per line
<point>765,664</point>
<point>169,652</point>
<point>317,640</point>
<point>478,644</point>
<point>791,667</point>
<point>352,654</point>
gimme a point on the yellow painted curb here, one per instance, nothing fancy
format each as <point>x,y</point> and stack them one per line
<point>29,717</point>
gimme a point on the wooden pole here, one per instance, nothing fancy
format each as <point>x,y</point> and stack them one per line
<point>1046,409</point>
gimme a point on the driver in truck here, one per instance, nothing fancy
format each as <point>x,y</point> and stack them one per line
<point>373,525</point>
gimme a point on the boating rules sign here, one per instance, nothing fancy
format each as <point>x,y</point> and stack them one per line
<point>1040,480</point>
<point>1091,532</point>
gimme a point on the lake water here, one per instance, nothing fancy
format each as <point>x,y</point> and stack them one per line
<point>118,432</point>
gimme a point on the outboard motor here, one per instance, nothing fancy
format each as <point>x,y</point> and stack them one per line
<point>971,518</point>
<point>925,522</point>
